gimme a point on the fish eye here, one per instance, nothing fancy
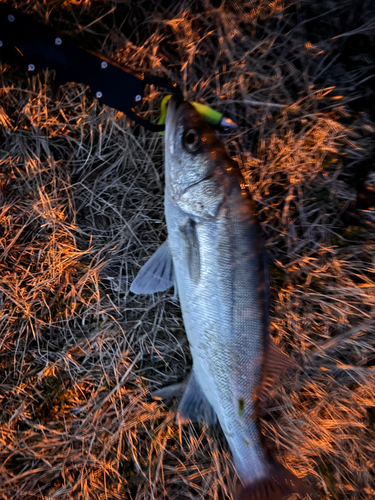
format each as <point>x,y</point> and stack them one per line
<point>191,140</point>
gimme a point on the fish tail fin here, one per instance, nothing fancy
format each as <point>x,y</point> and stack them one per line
<point>278,485</point>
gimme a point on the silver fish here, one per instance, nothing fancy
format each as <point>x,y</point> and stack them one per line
<point>215,257</point>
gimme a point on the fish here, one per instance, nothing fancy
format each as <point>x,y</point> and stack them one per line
<point>215,258</point>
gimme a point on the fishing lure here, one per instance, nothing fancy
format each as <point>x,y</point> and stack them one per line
<point>208,114</point>
<point>34,46</point>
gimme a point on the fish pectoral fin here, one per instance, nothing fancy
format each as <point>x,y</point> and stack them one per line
<point>189,232</point>
<point>275,364</point>
<point>157,275</point>
<point>194,405</point>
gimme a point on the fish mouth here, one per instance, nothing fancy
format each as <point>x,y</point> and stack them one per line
<point>173,104</point>
<point>171,120</point>
<point>175,101</point>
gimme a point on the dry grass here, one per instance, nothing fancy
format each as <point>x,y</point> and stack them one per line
<point>82,209</point>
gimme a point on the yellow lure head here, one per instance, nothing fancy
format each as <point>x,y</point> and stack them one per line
<point>210,115</point>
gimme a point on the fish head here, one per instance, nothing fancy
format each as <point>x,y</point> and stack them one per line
<point>194,158</point>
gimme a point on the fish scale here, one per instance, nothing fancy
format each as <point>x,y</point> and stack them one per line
<point>224,319</point>
<point>220,271</point>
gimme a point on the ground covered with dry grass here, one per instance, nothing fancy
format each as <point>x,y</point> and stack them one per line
<point>81,209</point>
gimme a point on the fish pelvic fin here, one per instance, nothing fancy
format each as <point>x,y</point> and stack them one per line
<point>278,485</point>
<point>157,275</point>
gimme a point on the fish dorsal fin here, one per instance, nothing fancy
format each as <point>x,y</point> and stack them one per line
<point>157,274</point>
<point>194,405</point>
<point>275,364</point>
<point>189,231</point>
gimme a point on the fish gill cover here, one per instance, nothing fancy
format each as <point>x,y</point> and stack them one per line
<point>82,210</point>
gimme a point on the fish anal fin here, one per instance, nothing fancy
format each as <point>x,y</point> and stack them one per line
<point>278,485</point>
<point>169,391</point>
<point>194,405</point>
<point>157,274</point>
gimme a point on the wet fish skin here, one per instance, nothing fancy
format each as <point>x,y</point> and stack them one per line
<point>221,275</point>
<point>226,312</point>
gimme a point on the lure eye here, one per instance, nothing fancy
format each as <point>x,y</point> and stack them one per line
<point>191,140</point>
